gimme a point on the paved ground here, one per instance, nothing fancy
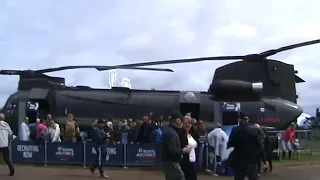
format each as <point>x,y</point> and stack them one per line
<point>50,173</point>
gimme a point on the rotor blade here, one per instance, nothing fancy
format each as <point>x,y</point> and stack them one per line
<point>177,61</point>
<point>99,68</point>
<point>10,72</point>
<point>286,48</point>
<point>138,68</point>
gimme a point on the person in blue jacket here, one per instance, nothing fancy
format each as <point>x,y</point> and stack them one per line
<point>99,137</point>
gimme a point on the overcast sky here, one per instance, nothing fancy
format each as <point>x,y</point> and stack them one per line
<point>42,34</point>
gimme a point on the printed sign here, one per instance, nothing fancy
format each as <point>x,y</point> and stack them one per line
<point>143,154</point>
<point>65,153</point>
<point>27,152</point>
<point>114,155</point>
<point>230,106</point>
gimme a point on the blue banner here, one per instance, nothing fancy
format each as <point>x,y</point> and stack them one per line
<point>114,154</point>
<point>65,153</point>
<point>143,154</point>
<point>27,152</point>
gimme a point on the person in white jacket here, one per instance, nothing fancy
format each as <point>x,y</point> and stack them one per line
<point>218,139</point>
<point>5,134</point>
<point>24,134</point>
<point>54,131</point>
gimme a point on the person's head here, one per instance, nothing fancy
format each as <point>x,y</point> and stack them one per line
<point>42,121</point>
<point>52,124</point>
<point>2,117</point>
<point>26,120</point>
<point>49,117</point>
<point>70,117</point>
<point>188,114</point>
<point>217,125</point>
<point>133,124</point>
<point>243,118</point>
<point>176,119</point>
<point>95,121</point>
<point>37,120</point>
<point>109,124</point>
<point>101,123</point>
<point>293,126</point>
<point>256,126</point>
<point>187,123</point>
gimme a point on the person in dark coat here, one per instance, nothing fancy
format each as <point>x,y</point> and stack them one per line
<point>172,150</point>
<point>271,143</point>
<point>145,134</point>
<point>246,144</point>
<point>99,138</point>
<point>261,155</point>
<point>133,133</point>
<point>188,138</point>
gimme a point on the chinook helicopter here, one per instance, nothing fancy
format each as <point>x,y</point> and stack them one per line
<point>262,88</point>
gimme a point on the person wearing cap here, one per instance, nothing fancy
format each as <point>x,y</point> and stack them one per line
<point>172,152</point>
<point>100,138</point>
<point>246,144</point>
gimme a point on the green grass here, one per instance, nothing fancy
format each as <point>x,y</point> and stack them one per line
<point>305,159</point>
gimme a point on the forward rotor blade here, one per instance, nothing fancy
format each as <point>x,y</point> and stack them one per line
<point>286,48</point>
<point>99,68</point>
<point>10,72</point>
<point>189,60</point>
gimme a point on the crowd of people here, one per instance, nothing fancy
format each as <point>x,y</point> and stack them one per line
<point>252,145</point>
<point>179,141</point>
<point>148,130</point>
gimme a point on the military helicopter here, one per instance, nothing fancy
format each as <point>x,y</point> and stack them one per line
<point>262,88</point>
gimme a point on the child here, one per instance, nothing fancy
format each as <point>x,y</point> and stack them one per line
<point>295,146</point>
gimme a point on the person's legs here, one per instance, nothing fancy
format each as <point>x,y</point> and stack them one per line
<point>289,148</point>
<point>251,172</point>
<point>173,171</point>
<point>239,173</point>
<point>284,148</point>
<point>6,156</point>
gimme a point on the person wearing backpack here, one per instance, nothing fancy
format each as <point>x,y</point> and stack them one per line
<point>71,129</point>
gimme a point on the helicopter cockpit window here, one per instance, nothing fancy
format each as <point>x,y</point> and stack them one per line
<point>12,102</point>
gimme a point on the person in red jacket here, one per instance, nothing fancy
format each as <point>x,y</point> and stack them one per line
<point>287,138</point>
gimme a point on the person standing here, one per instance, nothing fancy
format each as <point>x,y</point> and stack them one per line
<point>217,138</point>
<point>5,134</point>
<point>100,139</point>
<point>24,134</point>
<point>287,138</point>
<point>171,149</point>
<point>189,139</point>
<point>246,144</point>
<point>261,155</point>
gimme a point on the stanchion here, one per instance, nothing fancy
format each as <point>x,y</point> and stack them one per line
<point>84,154</point>
<point>125,156</point>
<point>207,157</point>
<point>45,153</point>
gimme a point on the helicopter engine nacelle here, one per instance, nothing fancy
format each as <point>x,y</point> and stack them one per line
<point>235,86</point>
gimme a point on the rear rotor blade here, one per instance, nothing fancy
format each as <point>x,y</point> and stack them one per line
<point>286,48</point>
<point>10,72</point>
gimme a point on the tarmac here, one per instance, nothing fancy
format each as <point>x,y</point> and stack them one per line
<point>310,172</point>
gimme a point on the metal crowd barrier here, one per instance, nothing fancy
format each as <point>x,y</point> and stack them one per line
<point>305,141</point>
<point>84,154</point>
